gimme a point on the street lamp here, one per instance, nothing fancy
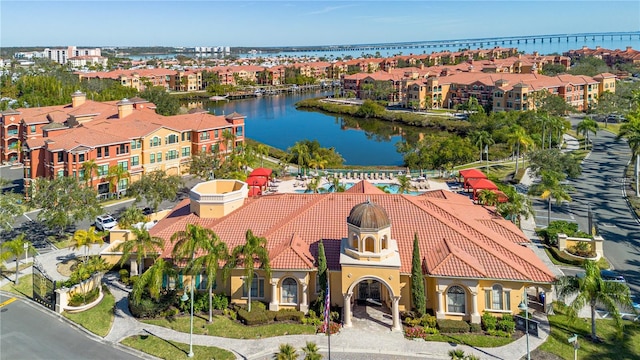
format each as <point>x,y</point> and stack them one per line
<point>524,306</point>
<point>185,297</point>
<point>26,251</point>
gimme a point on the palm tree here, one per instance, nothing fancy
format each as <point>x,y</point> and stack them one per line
<point>152,279</point>
<point>89,168</point>
<point>631,132</point>
<point>86,238</point>
<point>404,184</point>
<point>592,290</point>
<point>314,185</point>
<point>311,351</point>
<point>15,248</point>
<point>318,162</point>
<point>254,250</point>
<point>487,197</point>
<point>195,240</point>
<point>287,352</point>
<point>263,151</point>
<point>456,354</point>
<point>300,152</point>
<point>131,215</point>
<point>336,185</point>
<point>585,127</point>
<point>551,187</point>
<point>480,138</point>
<point>116,173</point>
<point>518,205</point>
<point>143,245</point>
<point>229,139</point>
<point>519,138</point>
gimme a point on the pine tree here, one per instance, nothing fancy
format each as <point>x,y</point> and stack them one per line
<point>322,272</point>
<point>417,280</point>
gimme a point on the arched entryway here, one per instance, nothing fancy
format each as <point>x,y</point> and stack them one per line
<point>372,291</point>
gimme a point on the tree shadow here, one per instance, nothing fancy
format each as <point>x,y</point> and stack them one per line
<point>167,341</point>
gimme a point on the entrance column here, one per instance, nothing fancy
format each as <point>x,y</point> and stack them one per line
<point>395,313</point>
<point>304,307</point>
<point>347,310</point>
<point>440,312</point>
<point>274,304</point>
<point>475,316</point>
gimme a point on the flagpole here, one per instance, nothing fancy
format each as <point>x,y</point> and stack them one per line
<point>328,313</point>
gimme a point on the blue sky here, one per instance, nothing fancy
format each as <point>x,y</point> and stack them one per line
<point>298,22</point>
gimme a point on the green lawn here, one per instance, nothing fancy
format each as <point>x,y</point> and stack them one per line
<point>610,348</point>
<point>225,327</point>
<point>475,340</point>
<point>98,319</point>
<point>166,349</point>
<point>24,288</point>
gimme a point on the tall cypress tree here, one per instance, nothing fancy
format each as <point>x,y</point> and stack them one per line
<point>322,272</point>
<point>417,279</point>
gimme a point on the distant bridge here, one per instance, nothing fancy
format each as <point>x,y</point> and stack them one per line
<point>477,42</point>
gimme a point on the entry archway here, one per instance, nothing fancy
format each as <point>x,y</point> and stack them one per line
<point>368,279</point>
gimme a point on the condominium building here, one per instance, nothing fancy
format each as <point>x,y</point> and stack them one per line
<point>59,140</point>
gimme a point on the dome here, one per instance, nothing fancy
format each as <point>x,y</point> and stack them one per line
<point>368,215</point>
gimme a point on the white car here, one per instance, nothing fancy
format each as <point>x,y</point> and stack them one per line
<point>105,222</point>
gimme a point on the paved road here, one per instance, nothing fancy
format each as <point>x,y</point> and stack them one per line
<point>27,332</point>
<point>600,187</point>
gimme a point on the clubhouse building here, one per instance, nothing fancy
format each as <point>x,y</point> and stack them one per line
<point>473,261</point>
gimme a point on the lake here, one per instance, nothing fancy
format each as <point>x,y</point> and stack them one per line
<point>275,121</point>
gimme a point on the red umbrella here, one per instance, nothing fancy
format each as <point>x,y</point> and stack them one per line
<point>256,181</point>
<point>261,172</point>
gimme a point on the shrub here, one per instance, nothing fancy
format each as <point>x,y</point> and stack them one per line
<point>431,331</point>
<point>414,332</point>
<point>219,301</point>
<point>498,333</point>
<point>453,326</point>
<point>550,234</point>
<point>289,315</point>
<point>170,312</point>
<point>255,317</point>
<point>124,276</point>
<point>475,328</point>
<point>334,328</point>
<point>231,314</point>
<point>413,322</point>
<point>428,321</point>
<point>407,314</point>
<point>489,321</point>
<point>133,279</point>
<point>149,308</point>
<point>506,324</point>
<point>257,305</point>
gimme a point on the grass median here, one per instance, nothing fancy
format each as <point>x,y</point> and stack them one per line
<point>222,326</point>
<point>167,349</point>
<point>24,287</point>
<point>98,319</point>
<point>475,340</point>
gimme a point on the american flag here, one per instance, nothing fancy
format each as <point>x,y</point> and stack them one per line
<point>327,309</point>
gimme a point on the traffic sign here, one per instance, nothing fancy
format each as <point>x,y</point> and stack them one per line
<point>574,338</point>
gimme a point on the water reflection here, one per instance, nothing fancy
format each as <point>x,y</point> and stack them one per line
<point>274,120</point>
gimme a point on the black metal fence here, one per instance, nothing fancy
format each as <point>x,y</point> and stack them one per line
<point>44,288</point>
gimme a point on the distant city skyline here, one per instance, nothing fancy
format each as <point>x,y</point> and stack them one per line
<point>265,23</point>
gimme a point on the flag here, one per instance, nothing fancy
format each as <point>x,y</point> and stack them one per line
<point>327,308</point>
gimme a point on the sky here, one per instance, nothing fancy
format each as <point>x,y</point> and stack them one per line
<point>263,23</point>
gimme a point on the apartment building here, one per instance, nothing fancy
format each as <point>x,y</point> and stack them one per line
<point>611,57</point>
<point>140,79</point>
<point>60,140</point>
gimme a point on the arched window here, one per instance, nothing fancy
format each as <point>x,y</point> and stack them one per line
<point>497,302</point>
<point>456,300</point>
<point>289,291</point>
<point>354,241</point>
<point>385,243</point>
<point>369,244</point>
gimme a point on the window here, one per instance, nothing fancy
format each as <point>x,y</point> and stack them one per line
<point>257,288</point>
<point>497,298</point>
<point>124,165</point>
<point>216,134</point>
<point>80,157</point>
<point>172,154</point>
<point>204,149</point>
<point>99,152</point>
<point>60,173</point>
<point>186,151</point>
<point>106,151</point>
<point>103,170</point>
<point>155,141</point>
<point>204,136</point>
<point>456,299</point>
<point>171,139</point>
<point>152,158</point>
<point>32,129</point>
<point>135,160</point>
<point>186,136</point>
<point>239,131</point>
<point>159,157</point>
<point>81,174</point>
<point>136,144</point>
<point>123,184</point>
<point>369,244</point>
<point>60,156</point>
<point>289,291</point>
<point>122,149</point>
<point>201,282</point>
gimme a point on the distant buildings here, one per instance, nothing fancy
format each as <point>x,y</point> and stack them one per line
<point>59,140</point>
<point>91,56</point>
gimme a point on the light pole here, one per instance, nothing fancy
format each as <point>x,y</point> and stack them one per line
<point>524,306</point>
<point>26,251</point>
<point>185,297</point>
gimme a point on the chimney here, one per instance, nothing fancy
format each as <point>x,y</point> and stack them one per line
<point>629,48</point>
<point>78,98</point>
<point>535,53</point>
<point>125,108</point>
<point>598,47</point>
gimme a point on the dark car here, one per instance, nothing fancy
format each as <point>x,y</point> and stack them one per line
<point>147,211</point>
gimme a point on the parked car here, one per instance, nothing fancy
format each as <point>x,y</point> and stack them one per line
<point>607,275</point>
<point>615,118</point>
<point>147,211</point>
<point>105,222</point>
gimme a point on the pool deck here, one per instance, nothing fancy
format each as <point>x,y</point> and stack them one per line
<point>291,185</point>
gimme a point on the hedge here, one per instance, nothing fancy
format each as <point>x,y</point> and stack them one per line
<point>289,315</point>
<point>255,317</point>
<point>453,326</point>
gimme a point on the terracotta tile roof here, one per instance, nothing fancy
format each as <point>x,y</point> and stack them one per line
<point>82,136</point>
<point>456,237</point>
<point>364,187</point>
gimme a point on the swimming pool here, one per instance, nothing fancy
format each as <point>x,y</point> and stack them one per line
<point>391,188</point>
